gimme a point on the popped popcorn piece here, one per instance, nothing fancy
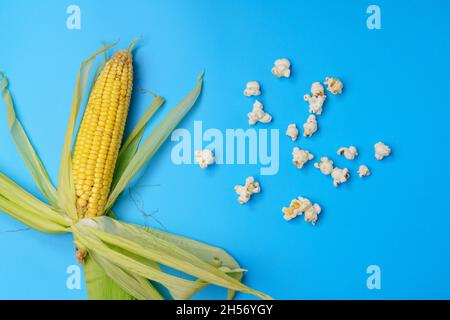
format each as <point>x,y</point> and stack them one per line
<point>310,126</point>
<point>300,157</point>
<point>334,85</point>
<point>381,150</point>
<point>252,89</point>
<point>317,99</point>
<point>296,208</point>
<point>246,191</point>
<point>292,131</point>
<point>315,103</point>
<point>325,165</point>
<point>204,158</point>
<point>317,89</point>
<point>363,171</point>
<point>281,68</point>
<point>312,213</point>
<point>258,114</point>
<point>301,206</point>
<point>350,153</point>
<point>339,176</point>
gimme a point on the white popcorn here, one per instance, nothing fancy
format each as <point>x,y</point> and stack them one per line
<point>363,171</point>
<point>296,208</point>
<point>317,89</point>
<point>334,85</point>
<point>315,103</point>
<point>246,191</point>
<point>292,131</point>
<point>381,150</point>
<point>325,165</point>
<point>252,89</point>
<point>299,206</point>
<point>310,126</point>
<point>258,114</point>
<point>300,157</point>
<point>204,158</point>
<point>339,176</point>
<point>281,68</point>
<point>311,214</point>
<point>350,153</point>
<point>317,99</point>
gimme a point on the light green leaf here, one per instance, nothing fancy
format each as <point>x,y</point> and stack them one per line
<point>99,69</point>
<point>99,284</point>
<point>28,209</point>
<point>142,243</point>
<point>31,158</point>
<point>213,255</point>
<point>30,217</point>
<point>137,286</point>
<point>128,149</point>
<point>66,190</point>
<point>85,238</point>
<point>154,141</point>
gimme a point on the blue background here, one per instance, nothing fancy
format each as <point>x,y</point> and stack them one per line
<point>396,88</point>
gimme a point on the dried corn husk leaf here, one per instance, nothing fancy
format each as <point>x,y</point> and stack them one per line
<point>85,238</point>
<point>66,190</point>
<point>154,141</point>
<point>27,208</point>
<point>26,150</point>
<point>99,69</point>
<point>213,255</point>
<point>109,232</point>
<point>128,149</point>
<point>30,217</point>
<point>99,284</point>
<point>136,286</point>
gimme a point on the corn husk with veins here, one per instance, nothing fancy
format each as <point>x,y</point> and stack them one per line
<point>246,191</point>
<point>292,131</point>
<point>381,150</point>
<point>300,157</point>
<point>258,114</point>
<point>363,171</point>
<point>301,206</point>
<point>282,68</point>
<point>252,89</point>
<point>204,158</point>
<point>316,99</point>
<point>334,85</point>
<point>325,165</point>
<point>339,176</point>
<point>310,126</point>
<point>349,153</point>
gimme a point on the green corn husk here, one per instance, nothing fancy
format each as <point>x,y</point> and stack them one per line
<point>123,260</point>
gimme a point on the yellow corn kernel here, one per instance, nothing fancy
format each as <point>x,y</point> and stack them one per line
<point>98,140</point>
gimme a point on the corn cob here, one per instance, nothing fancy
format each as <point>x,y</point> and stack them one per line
<point>100,135</point>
